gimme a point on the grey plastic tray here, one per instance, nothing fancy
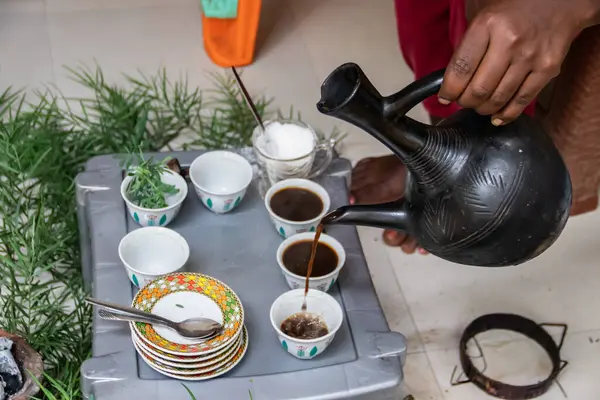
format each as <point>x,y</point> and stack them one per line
<point>239,249</point>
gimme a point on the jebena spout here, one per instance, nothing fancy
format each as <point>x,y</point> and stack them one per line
<point>387,216</point>
<point>348,94</point>
<point>340,89</point>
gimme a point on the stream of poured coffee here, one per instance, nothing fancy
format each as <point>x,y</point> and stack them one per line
<point>311,261</point>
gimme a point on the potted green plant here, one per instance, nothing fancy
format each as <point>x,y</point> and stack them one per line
<point>153,192</point>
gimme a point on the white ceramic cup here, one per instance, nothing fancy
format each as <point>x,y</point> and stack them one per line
<point>318,303</point>
<point>152,252</point>
<point>221,179</point>
<point>158,216</point>
<point>287,228</point>
<point>322,283</point>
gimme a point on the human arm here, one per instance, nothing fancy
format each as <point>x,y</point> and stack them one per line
<point>511,50</point>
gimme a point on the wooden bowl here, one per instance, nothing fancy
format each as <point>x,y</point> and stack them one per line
<point>28,360</point>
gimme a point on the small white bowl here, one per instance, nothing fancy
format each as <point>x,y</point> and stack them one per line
<point>158,216</point>
<point>322,283</point>
<point>221,179</point>
<point>319,303</point>
<point>152,252</point>
<point>287,228</point>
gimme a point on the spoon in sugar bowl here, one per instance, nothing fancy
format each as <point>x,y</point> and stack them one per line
<point>191,328</point>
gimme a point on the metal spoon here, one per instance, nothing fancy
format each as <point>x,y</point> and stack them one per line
<point>192,328</point>
<point>184,330</point>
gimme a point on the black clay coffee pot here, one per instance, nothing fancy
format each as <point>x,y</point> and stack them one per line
<point>476,194</point>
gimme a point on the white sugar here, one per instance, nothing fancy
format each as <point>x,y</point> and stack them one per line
<point>286,141</point>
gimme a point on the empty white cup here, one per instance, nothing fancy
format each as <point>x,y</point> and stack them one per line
<point>287,228</point>
<point>322,283</point>
<point>152,252</point>
<point>221,179</point>
<point>318,303</point>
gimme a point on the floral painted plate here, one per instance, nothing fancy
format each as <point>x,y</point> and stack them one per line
<point>186,369</point>
<point>178,360</point>
<point>235,360</point>
<point>183,295</point>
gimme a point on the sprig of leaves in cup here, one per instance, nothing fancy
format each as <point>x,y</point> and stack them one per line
<point>146,188</point>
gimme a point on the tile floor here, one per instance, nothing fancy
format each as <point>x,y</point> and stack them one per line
<point>300,42</point>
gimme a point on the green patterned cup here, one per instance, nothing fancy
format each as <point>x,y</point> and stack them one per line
<point>220,179</point>
<point>323,283</point>
<point>158,216</point>
<point>287,228</point>
<point>318,303</point>
<point>152,252</point>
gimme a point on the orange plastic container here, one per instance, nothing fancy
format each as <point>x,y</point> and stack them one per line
<point>231,42</point>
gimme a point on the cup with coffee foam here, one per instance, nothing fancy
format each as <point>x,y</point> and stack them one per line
<point>320,305</point>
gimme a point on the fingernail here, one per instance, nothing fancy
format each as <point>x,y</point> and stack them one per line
<point>422,251</point>
<point>352,200</point>
<point>497,121</point>
<point>443,101</point>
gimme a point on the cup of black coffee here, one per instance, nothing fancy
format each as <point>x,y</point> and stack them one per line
<point>293,256</point>
<point>296,206</point>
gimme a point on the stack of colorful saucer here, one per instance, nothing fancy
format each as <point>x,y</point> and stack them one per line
<point>185,295</point>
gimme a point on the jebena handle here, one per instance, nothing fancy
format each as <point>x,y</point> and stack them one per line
<point>398,104</point>
<point>327,146</point>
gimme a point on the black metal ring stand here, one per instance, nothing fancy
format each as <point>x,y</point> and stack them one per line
<point>530,329</point>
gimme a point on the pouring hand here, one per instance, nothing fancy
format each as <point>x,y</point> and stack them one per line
<point>511,50</point>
